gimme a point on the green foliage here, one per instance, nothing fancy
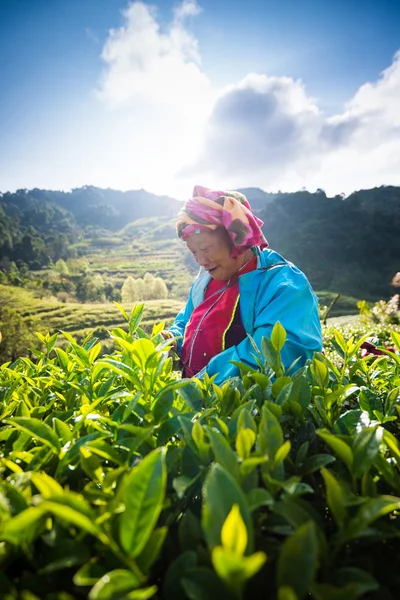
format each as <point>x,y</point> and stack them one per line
<point>381,312</point>
<point>17,333</point>
<point>335,237</point>
<point>120,480</point>
<point>148,288</point>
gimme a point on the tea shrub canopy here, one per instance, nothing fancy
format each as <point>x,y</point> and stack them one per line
<point>120,480</point>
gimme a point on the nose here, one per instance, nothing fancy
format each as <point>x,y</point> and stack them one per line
<point>203,261</point>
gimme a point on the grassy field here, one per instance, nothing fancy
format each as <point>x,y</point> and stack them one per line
<point>80,319</point>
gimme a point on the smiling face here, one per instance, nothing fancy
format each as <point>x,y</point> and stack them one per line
<point>212,251</point>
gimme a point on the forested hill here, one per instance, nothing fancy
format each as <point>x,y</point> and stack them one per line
<point>37,226</point>
<point>350,245</point>
<point>106,208</point>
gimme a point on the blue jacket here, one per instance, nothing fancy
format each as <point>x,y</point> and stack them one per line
<point>267,295</point>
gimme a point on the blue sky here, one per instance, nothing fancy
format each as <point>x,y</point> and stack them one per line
<point>279,94</point>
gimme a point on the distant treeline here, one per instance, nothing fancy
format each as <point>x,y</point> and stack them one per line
<point>348,245</point>
<point>38,227</point>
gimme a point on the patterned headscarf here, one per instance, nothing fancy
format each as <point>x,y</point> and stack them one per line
<point>209,209</point>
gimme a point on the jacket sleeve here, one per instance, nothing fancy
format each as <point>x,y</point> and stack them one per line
<point>179,325</point>
<point>291,302</point>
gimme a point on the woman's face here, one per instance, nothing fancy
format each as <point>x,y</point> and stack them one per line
<point>212,251</point>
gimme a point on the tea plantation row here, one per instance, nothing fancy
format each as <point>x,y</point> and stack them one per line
<point>120,480</point>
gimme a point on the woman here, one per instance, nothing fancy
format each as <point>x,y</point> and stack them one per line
<point>242,288</point>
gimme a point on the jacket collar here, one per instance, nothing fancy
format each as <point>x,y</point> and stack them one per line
<point>264,258</point>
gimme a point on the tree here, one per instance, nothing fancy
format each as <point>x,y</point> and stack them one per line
<point>95,289</point>
<point>132,290</point>
<point>61,267</point>
<point>129,293</point>
<point>148,281</point>
<point>76,265</point>
<point>14,275</point>
<point>160,289</point>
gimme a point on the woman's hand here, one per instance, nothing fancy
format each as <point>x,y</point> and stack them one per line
<point>167,335</point>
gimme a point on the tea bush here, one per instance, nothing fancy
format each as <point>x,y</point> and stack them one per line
<point>120,480</point>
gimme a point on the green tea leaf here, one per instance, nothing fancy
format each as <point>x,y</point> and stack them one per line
<point>351,419</point>
<point>141,351</point>
<point>46,485</point>
<point>62,430</point>
<point>366,446</point>
<point>22,527</point>
<point>94,353</point>
<point>144,497</point>
<point>152,549</point>
<point>163,404</point>
<point>258,497</point>
<point>70,514</point>
<point>340,447</point>
<point>315,462</point>
<point>63,359</point>
<point>278,336</point>
<point>235,570</point>
<point>115,585</point>
<point>223,453</point>
<point>135,317</point>
<point>298,560</point>
<point>192,395</point>
<point>369,401</point>
<point>246,420</point>
<point>271,355</point>
<point>122,310</point>
<point>244,442</point>
<point>234,533</point>
<point>370,511</point>
<point>282,452</point>
<point>393,445</point>
<point>220,493</point>
<point>396,339</point>
<point>320,373</point>
<point>270,436</point>
<point>335,497</point>
<point>38,430</point>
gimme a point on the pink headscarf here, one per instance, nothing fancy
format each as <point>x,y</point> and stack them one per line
<point>209,209</point>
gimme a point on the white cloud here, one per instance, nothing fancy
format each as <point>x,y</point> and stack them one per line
<point>188,8</point>
<point>267,131</point>
<point>143,61</point>
<point>260,124</point>
<point>157,122</point>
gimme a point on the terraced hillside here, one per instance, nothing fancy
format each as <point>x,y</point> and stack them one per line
<point>80,319</point>
<point>145,245</point>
